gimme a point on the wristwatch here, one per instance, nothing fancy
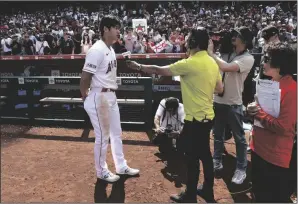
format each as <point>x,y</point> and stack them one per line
<point>139,67</point>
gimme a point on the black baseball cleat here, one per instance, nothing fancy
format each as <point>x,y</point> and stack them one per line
<point>183,198</point>
<point>207,196</point>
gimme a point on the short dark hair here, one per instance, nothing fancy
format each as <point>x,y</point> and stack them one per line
<point>269,31</point>
<point>109,22</point>
<point>282,56</point>
<point>198,38</point>
<point>172,103</point>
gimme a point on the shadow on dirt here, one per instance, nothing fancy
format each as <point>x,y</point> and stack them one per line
<point>175,167</point>
<point>117,193</point>
<point>240,193</point>
<point>69,124</point>
<point>8,133</point>
<point>83,138</point>
<point>175,171</point>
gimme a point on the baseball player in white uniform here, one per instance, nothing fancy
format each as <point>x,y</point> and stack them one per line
<point>97,86</point>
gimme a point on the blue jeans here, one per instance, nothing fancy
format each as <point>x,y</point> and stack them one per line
<point>233,116</point>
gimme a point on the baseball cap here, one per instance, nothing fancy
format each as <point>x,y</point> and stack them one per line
<point>246,35</point>
<point>269,31</point>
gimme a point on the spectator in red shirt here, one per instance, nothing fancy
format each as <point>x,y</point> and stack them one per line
<point>177,40</point>
<point>149,43</point>
<point>272,145</point>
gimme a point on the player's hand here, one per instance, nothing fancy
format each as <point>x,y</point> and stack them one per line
<point>132,65</point>
<point>210,47</point>
<point>85,95</point>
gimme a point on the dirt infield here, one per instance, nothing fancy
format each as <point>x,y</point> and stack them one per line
<point>56,165</point>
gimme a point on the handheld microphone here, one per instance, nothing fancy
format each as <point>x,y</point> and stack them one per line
<point>126,55</point>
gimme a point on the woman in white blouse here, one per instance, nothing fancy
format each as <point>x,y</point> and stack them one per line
<point>86,43</point>
<point>42,47</point>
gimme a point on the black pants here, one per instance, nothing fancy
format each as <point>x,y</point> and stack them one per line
<point>163,142</point>
<point>196,136</point>
<point>269,182</point>
<point>293,171</point>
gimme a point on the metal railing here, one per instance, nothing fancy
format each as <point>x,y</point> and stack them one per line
<point>36,104</point>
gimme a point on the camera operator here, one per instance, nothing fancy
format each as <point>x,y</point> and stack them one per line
<point>225,51</point>
<point>199,78</point>
<point>228,106</point>
<point>168,123</point>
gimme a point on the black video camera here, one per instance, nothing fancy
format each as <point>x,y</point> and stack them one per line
<point>168,129</point>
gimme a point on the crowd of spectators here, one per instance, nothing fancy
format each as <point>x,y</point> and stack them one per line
<point>72,29</point>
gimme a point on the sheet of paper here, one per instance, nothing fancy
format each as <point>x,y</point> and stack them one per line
<point>247,126</point>
<point>268,93</point>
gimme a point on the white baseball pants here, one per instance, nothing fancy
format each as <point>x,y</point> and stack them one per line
<point>103,111</point>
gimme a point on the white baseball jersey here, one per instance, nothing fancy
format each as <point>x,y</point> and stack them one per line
<point>102,107</point>
<point>102,63</point>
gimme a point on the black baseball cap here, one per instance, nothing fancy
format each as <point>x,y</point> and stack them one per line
<point>246,35</point>
<point>269,31</point>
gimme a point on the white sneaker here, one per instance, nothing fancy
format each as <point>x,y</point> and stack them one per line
<point>129,171</point>
<point>110,177</point>
<point>239,176</point>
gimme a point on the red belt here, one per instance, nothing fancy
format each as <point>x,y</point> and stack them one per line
<point>107,90</point>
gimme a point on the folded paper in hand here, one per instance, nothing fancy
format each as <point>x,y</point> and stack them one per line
<point>268,94</point>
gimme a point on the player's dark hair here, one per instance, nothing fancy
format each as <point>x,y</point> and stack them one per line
<point>109,22</point>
